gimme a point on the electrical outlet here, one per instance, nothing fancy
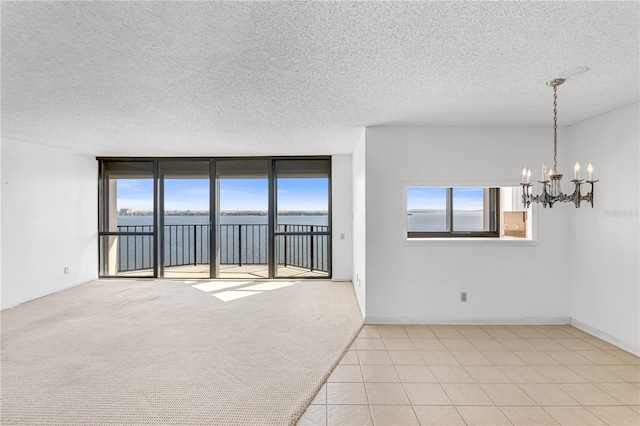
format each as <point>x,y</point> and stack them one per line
<point>463,296</point>
<point>66,270</point>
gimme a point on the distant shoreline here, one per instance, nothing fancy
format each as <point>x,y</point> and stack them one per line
<point>228,213</point>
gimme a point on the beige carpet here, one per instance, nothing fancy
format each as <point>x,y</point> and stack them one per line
<point>172,353</point>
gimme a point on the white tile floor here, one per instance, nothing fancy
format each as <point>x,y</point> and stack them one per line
<point>479,375</point>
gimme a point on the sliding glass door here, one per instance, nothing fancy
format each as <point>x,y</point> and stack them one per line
<point>243,219</point>
<point>197,218</point>
<point>185,223</point>
<point>302,238</point>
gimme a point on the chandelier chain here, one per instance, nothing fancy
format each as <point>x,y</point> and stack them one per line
<point>555,129</point>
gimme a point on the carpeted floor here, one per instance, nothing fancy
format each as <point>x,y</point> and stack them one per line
<point>172,353</point>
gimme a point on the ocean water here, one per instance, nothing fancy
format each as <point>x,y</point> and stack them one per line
<point>225,220</point>
<point>432,221</point>
<point>437,221</point>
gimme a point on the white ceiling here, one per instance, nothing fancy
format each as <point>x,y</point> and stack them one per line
<point>260,78</point>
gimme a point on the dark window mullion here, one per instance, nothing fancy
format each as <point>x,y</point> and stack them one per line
<point>494,208</point>
<point>449,211</point>
<point>158,220</point>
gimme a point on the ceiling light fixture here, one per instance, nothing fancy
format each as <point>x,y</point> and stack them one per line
<point>551,192</point>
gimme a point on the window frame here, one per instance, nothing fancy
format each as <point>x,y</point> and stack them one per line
<point>302,164</point>
<point>494,208</point>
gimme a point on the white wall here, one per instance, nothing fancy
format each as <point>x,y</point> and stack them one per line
<point>605,290</point>
<point>414,283</point>
<point>342,217</point>
<point>49,220</point>
<point>359,224</point>
<point>1,186</point>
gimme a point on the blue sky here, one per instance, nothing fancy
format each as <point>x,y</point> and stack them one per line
<point>436,198</point>
<point>235,194</point>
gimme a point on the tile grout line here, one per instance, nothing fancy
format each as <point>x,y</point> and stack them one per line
<point>594,384</point>
<point>466,371</point>
<point>366,393</point>
<point>400,379</point>
<point>437,381</point>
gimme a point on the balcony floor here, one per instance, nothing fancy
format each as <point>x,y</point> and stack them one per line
<point>227,272</point>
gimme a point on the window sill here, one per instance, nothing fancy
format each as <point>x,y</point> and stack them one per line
<point>473,241</point>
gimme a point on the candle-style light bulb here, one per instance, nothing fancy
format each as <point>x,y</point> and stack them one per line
<point>551,174</point>
<point>524,175</point>
<point>576,171</point>
<point>544,172</point>
<point>528,175</point>
<point>590,170</point>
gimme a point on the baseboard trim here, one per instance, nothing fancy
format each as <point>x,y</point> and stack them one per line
<point>338,279</point>
<point>606,337</point>
<point>470,321</point>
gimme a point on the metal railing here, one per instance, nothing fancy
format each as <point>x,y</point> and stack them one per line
<point>135,252</point>
<point>303,246</point>
<point>186,245</point>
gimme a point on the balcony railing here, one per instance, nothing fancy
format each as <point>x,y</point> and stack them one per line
<point>303,246</point>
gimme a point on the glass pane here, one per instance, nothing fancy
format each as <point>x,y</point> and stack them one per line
<point>426,209</point>
<point>303,201</point>
<point>242,168</point>
<point>186,226</point>
<point>134,203</point>
<point>243,223</point>
<point>468,210</point>
<point>126,255</point>
<point>126,196</point>
<point>303,168</point>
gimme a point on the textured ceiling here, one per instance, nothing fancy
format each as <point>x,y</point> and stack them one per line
<point>256,78</point>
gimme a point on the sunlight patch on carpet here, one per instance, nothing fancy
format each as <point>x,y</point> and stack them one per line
<point>228,296</point>
<point>219,285</point>
<point>275,285</point>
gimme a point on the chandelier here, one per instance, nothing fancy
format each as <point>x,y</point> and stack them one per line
<point>551,191</point>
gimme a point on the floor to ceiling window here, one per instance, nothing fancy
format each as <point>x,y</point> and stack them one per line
<point>243,212</point>
<point>215,218</point>
<point>184,219</point>
<point>302,219</point>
